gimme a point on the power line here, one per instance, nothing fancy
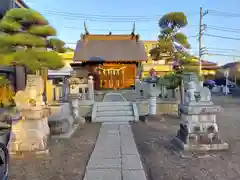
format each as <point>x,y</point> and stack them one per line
<point>228,55</point>
<point>222,29</point>
<point>108,16</point>
<point>219,28</point>
<point>99,29</point>
<point>223,49</point>
<point>99,15</point>
<point>222,37</point>
<point>119,30</point>
<point>214,48</point>
<point>142,40</point>
<point>102,18</point>
<point>223,14</point>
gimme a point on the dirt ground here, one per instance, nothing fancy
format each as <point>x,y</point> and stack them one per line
<point>163,163</point>
<point>67,159</point>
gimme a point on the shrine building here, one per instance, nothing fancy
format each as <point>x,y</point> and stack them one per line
<point>112,59</point>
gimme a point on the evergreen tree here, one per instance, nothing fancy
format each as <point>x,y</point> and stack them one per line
<point>173,46</point>
<point>170,37</point>
<point>27,39</point>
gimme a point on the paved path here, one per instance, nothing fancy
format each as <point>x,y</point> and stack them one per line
<point>113,97</point>
<point>115,156</point>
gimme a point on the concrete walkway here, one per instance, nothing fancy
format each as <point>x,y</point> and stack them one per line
<point>113,97</point>
<point>115,156</point>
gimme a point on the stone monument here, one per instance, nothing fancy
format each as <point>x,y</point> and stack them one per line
<point>78,89</point>
<point>31,132</point>
<point>199,129</point>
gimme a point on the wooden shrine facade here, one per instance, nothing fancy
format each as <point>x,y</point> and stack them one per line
<point>109,75</point>
<point>111,59</point>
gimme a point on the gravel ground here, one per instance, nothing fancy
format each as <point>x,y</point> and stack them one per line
<point>67,159</point>
<point>162,163</point>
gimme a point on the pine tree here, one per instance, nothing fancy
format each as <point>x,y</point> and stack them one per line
<point>170,25</point>
<point>27,39</point>
<point>173,46</point>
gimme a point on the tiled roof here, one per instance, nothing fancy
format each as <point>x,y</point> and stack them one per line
<point>114,50</point>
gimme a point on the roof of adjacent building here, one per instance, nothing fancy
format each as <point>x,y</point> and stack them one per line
<point>208,63</point>
<point>230,65</point>
<point>110,50</point>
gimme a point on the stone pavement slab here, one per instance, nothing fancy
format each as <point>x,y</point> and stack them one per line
<point>103,174</point>
<point>104,163</point>
<point>133,174</point>
<point>115,156</point>
<point>131,162</point>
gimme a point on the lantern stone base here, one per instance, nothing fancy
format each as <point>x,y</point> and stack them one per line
<point>199,130</point>
<point>66,135</point>
<point>180,145</point>
<point>29,136</point>
<point>61,122</point>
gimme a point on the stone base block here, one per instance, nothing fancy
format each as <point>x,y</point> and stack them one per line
<point>59,126</point>
<point>80,120</point>
<point>178,144</point>
<point>68,134</point>
<point>29,136</point>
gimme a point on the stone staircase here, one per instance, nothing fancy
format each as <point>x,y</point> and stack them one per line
<point>123,111</point>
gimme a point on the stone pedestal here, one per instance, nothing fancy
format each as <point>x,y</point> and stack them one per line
<point>199,130</point>
<point>152,105</point>
<point>90,88</point>
<point>152,98</point>
<point>31,132</point>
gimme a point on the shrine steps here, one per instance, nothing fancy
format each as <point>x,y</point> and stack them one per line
<point>115,112</point>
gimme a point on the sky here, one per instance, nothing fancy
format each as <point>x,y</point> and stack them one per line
<point>117,16</point>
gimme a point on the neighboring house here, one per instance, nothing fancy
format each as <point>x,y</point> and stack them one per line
<point>233,69</point>
<point>161,67</point>
<point>15,74</point>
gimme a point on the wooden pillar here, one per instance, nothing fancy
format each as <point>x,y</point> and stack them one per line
<point>123,83</point>
<point>118,79</point>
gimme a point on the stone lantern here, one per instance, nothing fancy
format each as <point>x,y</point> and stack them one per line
<point>31,132</point>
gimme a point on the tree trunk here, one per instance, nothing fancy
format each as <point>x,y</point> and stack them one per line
<point>181,91</point>
<point>20,77</point>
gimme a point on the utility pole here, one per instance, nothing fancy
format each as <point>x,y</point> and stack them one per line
<point>201,29</point>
